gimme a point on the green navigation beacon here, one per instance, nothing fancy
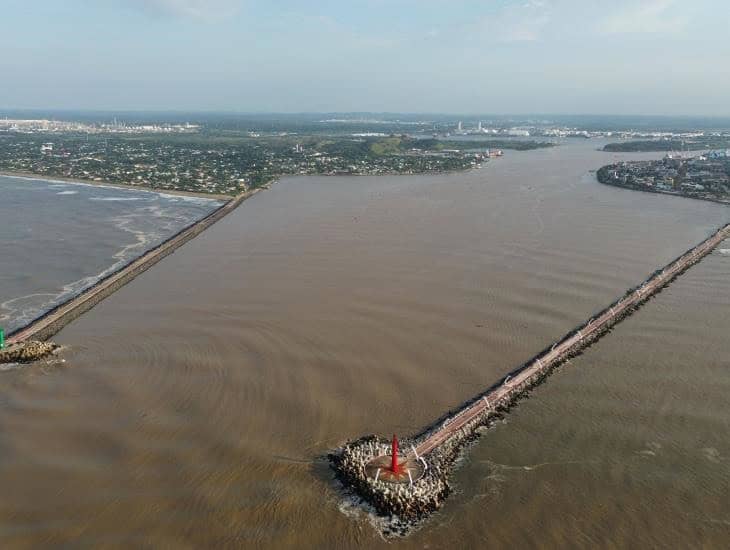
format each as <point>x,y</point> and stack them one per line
<point>2,338</point>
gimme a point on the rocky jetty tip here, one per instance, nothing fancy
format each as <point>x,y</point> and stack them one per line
<point>27,352</point>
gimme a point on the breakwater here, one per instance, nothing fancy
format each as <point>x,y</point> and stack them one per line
<point>27,352</point>
<point>53,320</point>
<point>437,447</point>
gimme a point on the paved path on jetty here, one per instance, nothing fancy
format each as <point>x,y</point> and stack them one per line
<point>51,322</point>
<point>571,343</point>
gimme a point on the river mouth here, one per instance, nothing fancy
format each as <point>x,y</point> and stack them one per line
<point>199,396</point>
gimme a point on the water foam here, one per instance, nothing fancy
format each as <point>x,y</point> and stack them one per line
<point>148,224</point>
<point>116,199</point>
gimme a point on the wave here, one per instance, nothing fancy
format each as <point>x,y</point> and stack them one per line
<point>9,366</point>
<point>16,312</point>
<point>117,199</point>
<point>148,224</point>
<point>57,184</point>
<point>191,199</point>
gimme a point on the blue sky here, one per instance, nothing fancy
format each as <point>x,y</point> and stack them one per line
<point>462,56</point>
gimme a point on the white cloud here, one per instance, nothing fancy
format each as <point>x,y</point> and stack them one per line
<point>194,9</point>
<point>652,16</point>
<point>516,22</point>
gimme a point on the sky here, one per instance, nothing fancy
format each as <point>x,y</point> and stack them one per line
<point>652,57</point>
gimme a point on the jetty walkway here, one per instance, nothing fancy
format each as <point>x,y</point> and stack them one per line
<point>570,344</point>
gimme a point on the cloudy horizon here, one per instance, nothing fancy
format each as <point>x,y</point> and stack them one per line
<point>652,57</point>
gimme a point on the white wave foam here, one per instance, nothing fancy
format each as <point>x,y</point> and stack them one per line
<point>8,366</point>
<point>496,467</point>
<point>59,184</point>
<point>149,222</point>
<point>192,199</point>
<point>712,454</point>
<point>355,508</point>
<point>67,193</point>
<point>23,309</point>
<point>117,199</point>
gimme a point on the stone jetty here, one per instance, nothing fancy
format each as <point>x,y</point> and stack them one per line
<point>54,320</point>
<point>438,446</point>
<point>28,343</point>
<point>27,352</point>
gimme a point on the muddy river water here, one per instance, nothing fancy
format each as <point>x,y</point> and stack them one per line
<point>196,405</point>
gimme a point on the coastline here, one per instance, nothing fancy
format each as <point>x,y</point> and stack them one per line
<point>601,180</point>
<point>390,173</point>
<point>127,186</point>
<point>53,320</point>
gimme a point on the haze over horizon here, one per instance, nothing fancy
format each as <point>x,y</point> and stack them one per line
<point>653,57</point>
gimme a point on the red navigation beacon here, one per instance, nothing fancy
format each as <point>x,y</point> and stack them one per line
<point>394,466</point>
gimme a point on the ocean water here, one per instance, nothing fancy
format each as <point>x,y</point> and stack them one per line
<point>196,405</point>
<point>58,238</point>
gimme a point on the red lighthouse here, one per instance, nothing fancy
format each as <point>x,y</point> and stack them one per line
<point>394,466</point>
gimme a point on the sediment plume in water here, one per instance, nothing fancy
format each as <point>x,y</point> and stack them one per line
<point>55,319</point>
<point>438,446</point>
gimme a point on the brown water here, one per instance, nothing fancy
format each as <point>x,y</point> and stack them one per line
<point>196,405</point>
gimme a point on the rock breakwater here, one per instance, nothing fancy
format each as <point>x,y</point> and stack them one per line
<point>54,320</point>
<point>439,445</point>
<point>408,501</point>
<point>27,352</point>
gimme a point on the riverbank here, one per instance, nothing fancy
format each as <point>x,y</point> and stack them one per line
<point>53,320</point>
<point>602,175</point>
<point>96,183</point>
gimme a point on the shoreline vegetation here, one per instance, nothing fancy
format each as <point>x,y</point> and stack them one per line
<point>215,163</point>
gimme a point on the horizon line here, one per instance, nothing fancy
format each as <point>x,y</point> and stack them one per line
<point>389,113</point>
